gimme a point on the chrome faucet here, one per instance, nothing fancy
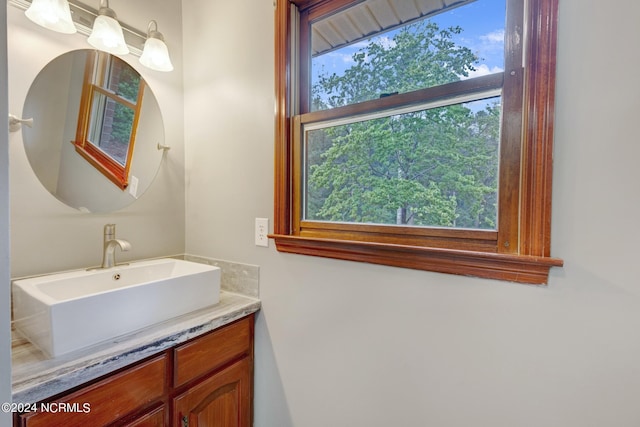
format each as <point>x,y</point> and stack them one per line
<point>110,244</point>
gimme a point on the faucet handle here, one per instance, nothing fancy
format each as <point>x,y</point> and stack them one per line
<point>109,231</point>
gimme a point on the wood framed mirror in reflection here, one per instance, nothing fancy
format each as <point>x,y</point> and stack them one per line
<point>68,148</point>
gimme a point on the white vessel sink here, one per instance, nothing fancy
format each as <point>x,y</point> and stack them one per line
<point>67,311</point>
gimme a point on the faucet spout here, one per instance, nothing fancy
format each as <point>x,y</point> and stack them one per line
<point>110,245</point>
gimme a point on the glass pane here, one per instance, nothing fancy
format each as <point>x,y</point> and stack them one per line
<point>459,43</point>
<point>110,127</point>
<point>435,167</point>
<point>122,79</point>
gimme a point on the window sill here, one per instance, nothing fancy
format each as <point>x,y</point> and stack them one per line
<point>508,267</point>
<point>110,169</point>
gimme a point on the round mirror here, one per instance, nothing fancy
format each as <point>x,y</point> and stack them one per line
<point>95,143</point>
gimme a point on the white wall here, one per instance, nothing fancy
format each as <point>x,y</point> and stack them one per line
<point>5,300</point>
<point>348,344</point>
<point>48,236</point>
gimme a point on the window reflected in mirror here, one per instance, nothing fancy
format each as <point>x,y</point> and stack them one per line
<point>109,110</point>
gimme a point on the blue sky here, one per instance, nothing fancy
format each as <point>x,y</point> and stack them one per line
<point>483,32</point>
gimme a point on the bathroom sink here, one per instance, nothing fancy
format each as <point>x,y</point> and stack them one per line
<point>67,311</point>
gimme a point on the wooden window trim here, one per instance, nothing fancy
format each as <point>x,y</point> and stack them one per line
<point>111,169</point>
<point>521,255</point>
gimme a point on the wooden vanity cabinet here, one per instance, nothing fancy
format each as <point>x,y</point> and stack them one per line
<point>213,377</point>
<point>205,382</point>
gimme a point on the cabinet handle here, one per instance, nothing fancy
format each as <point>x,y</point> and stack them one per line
<point>185,421</point>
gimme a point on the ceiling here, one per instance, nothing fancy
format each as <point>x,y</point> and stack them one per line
<point>370,17</point>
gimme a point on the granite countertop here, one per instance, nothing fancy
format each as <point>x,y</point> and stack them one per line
<point>36,377</point>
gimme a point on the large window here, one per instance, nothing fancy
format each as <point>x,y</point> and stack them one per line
<point>417,134</point>
<point>109,109</point>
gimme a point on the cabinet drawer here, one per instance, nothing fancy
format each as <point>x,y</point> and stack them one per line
<point>108,400</point>
<point>211,351</point>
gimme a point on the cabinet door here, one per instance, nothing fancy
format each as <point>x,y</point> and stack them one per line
<point>222,400</point>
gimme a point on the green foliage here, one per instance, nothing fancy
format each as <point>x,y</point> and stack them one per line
<point>128,85</point>
<point>436,167</point>
<point>122,124</point>
<point>421,55</point>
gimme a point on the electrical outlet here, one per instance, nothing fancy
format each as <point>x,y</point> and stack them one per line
<point>262,229</point>
<point>133,186</point>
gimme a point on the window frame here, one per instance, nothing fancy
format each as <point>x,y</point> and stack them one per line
<point>519,250</point>
<point>96,70</point>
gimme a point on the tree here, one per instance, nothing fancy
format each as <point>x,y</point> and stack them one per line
<point>128,86</point>
<point>436,167</point>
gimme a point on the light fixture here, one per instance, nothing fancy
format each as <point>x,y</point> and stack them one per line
<point>107,32</point>
<point>155,54</point>
<point>102,27</point>
<point>52,14</point>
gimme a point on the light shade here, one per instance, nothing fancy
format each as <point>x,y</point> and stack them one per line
<point>107,33</point>
<point>155,54</point>
<point>52,14</point>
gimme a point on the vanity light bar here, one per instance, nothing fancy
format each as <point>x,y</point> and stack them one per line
<point>83,16</point>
